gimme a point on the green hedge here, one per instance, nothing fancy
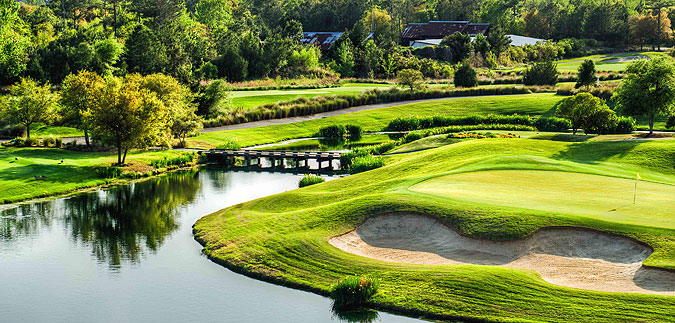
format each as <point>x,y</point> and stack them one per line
<point>411,123</point>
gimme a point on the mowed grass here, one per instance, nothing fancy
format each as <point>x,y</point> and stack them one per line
<point>283,238</point>
<point>604,62</point>
<point>601,197</point>
<point>375,120</point>
<point>19,166</point>
<point>252,99</point>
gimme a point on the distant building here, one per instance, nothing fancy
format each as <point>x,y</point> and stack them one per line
<point>441,29</point>
<point>515,41</point>
<point>324,40</point>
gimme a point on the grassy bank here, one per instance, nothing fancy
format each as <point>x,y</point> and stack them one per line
<point>19,166</point>
<point>283,238</point>
<point>375,120</point>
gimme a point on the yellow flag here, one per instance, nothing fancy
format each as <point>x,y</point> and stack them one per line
<point>638,177</point>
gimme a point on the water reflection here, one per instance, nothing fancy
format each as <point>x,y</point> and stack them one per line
<point>124,222</point>
<point>120,224</point>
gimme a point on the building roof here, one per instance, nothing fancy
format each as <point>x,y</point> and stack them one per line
<point>517,40</point>
<point>322,39</point>
<point>441,29</point>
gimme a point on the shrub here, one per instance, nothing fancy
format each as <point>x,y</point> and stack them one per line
<point>669,124</point>
<point>552,124</point>
<point>179,161</point>
<point>18,142</point>
<point>625,125</point>
<point>354,132</point>
<point>109,172</point>
<point>310,179</point>
<point>353,291</point>
<point>29,142</point>
<point>542,73</point>
<point>465,76</point>
<point>12,131</point>
<point>471,135</point>
<point>404,124</point>
<point>412,136</point>
<point>365,163</point>
<point>52,141</point>
<point>229,144</point>
<point>410,78</point>
<point>347,158</point>
<point>333,132</point>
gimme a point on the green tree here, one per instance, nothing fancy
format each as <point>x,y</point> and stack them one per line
<point>145,52</point>
<point>389,65</point>
<point>460,45</point>
<point>14,41</point>
<point>410,78</point>
<point>345,59</point>
<point>465,76</point>
<point>76,95</point>
<point>648,90</point>
<point>586,75</point>
<point>126,116</point>
<point>588,112</point>
<point>481,45</point>
<point>499,41</point>
<point>542,73</point>
<point>28,103</point>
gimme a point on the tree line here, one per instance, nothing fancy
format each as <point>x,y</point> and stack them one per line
<point>197,40</point>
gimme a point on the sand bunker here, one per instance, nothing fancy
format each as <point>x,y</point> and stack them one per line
<point>562,256</point>
<point>630,58</point>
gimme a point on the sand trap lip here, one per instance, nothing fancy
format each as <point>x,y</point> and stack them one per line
<point>569,257</point>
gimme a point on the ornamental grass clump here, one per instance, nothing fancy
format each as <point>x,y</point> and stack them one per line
<point>365,163</point>
<point>353,291</point>
<point>310,179</point>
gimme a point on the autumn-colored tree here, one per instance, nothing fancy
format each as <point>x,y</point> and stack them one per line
<point>78,91</point>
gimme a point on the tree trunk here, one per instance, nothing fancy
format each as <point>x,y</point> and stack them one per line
<point>86,137</point>
<point>119,155</point>
<point>651,124</point>
<point>574,131</point>
<point>28,131</point>
<point>124,158</point>
<point>658,31</point>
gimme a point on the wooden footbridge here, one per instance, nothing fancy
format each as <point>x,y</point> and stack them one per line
<point>278,159</point>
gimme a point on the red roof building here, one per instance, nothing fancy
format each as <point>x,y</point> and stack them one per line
<point>441,29</point>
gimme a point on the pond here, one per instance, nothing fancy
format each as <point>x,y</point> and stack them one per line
<point>126,254</point>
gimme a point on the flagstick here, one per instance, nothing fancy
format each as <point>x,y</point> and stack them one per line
<point>635,194</point>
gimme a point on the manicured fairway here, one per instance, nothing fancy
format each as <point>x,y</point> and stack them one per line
<point>602,197</point>
<point>284,238</point>
<point>252,99</point>
<point>375,120</point>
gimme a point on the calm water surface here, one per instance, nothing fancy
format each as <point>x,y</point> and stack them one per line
<point>127,254</point>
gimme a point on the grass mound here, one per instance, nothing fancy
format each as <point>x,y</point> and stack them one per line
<point>284,238</point>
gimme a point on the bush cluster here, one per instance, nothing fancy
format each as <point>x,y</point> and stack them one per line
<point>310,179</point>
<point>353,291</point>
<point>109,172</point>
<point>304,106</point>
<point>176,161</point>
<point>229,144</point>
<point>471,135</point>
<point>411,123</point>
<point>604,92</point>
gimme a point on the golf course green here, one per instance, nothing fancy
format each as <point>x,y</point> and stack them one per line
<point>489,189</point>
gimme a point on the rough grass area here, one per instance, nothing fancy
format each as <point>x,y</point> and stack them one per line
<point>376,120</point>
<point>19,166</point>
<point>283,238</point>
